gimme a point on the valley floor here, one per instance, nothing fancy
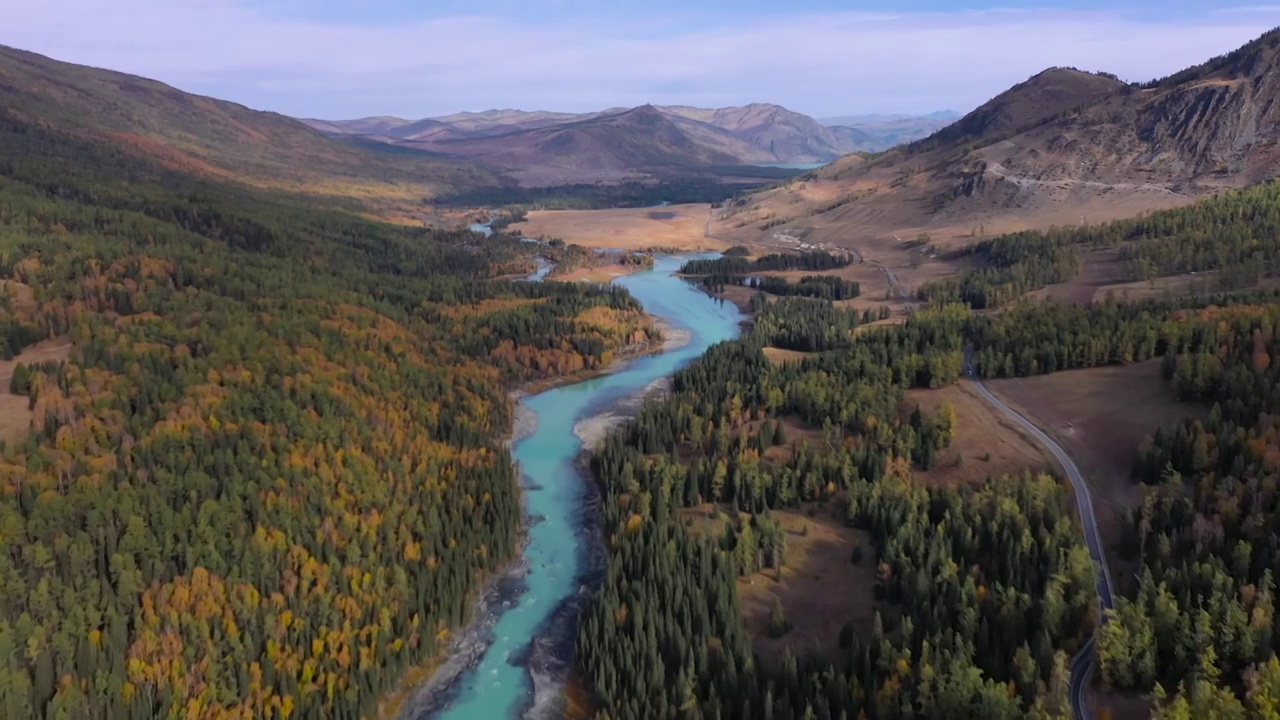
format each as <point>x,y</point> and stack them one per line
<point>678,228</point>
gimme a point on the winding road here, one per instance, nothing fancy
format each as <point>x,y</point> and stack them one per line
<point>1023,182</point>
<point>1083,664</point>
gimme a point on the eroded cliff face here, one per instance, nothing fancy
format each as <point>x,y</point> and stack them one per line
<point>1213,127</point>
<point>1217,127</point>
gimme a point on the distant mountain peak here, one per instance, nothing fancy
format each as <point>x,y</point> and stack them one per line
<point>743,135</point>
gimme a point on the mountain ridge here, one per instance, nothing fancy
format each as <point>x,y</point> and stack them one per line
<point>218,138</point>
<point>1061,147</point>
<point>739,135</point>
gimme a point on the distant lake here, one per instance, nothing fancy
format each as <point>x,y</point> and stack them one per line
<point>793,165</point>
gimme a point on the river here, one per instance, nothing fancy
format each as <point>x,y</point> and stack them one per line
<point>533,622</point>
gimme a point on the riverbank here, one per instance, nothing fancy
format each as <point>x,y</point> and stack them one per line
<point>552,654</point>
<point>515,656</point>
<point>628,354</point>
<point>591,430</point>
<point>426,687</point>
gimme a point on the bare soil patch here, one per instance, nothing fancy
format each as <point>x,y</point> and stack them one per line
<point>985,443</point>
<point>820,588</point>
<point>1101,416</point>
<point>626,228</point>
<point>23,296</point>
<point>1069,293</point>
<point>779,356</point>
<point>15,417</point>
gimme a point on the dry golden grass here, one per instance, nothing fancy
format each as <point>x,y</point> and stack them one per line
<point>1069,293</point>
<point>22,296</point>
<point>891,320</point>
<point>15,417</point>
<point>779,356</point>
<point>740,296</point>
<point>601,274</point>
<point>820,588</point>
<point>895,199</point>
<point>1101,416</point>
<point>985,443</point>
<point>626,228</point>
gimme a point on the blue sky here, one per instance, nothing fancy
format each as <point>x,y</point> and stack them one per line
<point>417,58</point>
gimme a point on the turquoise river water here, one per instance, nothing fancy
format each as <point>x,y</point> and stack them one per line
<point>502,685</point>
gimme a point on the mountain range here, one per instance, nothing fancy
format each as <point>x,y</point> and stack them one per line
<point>622,140</point>
<point>192,133</point>
<point>393,161</point>
<point>1061,147</point>
<point>889,130</point>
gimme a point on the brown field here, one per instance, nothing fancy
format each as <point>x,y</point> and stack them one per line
<point>22,296</point>
<point>885,204</point>
<point>985,443</point>
<point>820,589</point>
<point>1100,416</point>
<point>779,356</point>
<point>740,296</point>
<point>626,228</point>
<point>1174,286</point>
<point>15,417</point>
<point>891,320</point>
<point>876,290</point>
<point>602,274</point>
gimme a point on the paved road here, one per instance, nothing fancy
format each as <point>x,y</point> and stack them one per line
<point>1083,664</point>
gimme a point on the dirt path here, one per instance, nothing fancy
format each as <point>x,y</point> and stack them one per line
<point>1024,182</point>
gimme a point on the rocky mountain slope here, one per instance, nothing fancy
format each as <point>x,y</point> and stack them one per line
<point>1062,147</point>
<point>214,137</point>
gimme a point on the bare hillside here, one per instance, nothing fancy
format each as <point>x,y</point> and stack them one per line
<point>1063,147</point>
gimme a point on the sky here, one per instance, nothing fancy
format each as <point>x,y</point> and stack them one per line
<point>340,59</point>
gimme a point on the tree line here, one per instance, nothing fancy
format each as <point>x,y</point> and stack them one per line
<point>825,287</point>
<point>1234,234</point>
<point>816,260</point>
<point>981,592</point>
<point>271,477</point>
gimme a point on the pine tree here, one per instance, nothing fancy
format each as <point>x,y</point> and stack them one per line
<point>778,625</point>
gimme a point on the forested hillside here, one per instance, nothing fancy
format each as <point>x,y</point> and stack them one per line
<point>1236,234</point>
<point>1201,622</point>
<point>270,477</point>
<point>981,592</point>
<point>222,140</point>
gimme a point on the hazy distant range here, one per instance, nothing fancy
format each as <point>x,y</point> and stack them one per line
<point>624,140</point>
<point>894,129</point>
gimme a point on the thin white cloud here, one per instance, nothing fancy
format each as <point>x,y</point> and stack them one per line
<point>833,63</point>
